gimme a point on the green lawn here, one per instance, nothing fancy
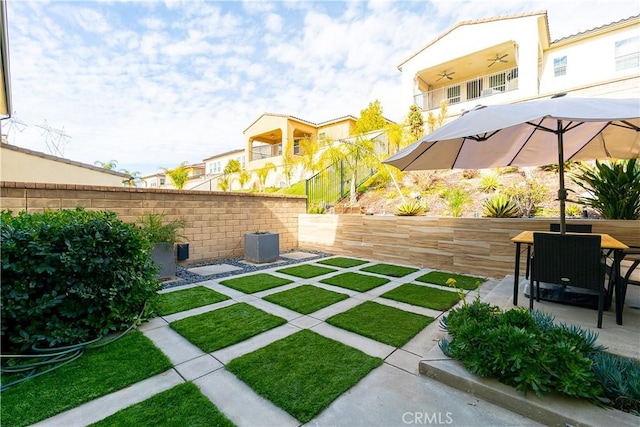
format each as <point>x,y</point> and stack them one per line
<point>342,262</point>
<point>306,299</point>
<point>304,372</point>
<point>388,325</point>
<point>177,301</point>
<point>462,282</point>
<point>182,405</point>
<point>389,270</point>
<point>355,281</point>
<point>423,296</point>
<point>225,326</point>
<point>306,271</point>
<point>98,372</point>
<point>255,283</point>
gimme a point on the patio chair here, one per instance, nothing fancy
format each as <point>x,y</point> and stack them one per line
<point>555,227</point>
<point>632,256</point>
<point>568,260</point>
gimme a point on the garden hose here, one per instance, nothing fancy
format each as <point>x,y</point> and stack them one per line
<point>59,356</point>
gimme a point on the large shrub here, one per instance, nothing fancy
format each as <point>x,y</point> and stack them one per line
<point>70,276</point>
<point>614,188</point>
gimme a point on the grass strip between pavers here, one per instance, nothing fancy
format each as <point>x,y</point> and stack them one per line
<point>304,372</point>
<point>96,373</point>
<point>306,271</point>
<point>255,283</point>
<point>342,262</point>
<point>355,281</point>
<point>186,299</point>
<point>182,405</point>
<point>306,299</point>
<point>462,281</point>
<point>389,270</point>
<point>225,326</point>
<point>382,323</point>
<point>423,296</point>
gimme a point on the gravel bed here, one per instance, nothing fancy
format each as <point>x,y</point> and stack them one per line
<point>184,277</point>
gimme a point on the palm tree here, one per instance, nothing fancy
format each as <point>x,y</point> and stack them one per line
<point>243,177</point>
<point>110,165</point>
<point>134,178</point>
<point>309,148</point>
<point>179,175</point>
<point>263,172</point>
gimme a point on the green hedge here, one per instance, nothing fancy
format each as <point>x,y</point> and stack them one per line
<point>70,276</point>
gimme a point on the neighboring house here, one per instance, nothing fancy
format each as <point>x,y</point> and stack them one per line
<point>5,78</point>
<point>512,58</point>
<point>214,168</point>
<point>19,164</point>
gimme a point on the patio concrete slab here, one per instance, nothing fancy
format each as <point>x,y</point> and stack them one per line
<point>389,396</point>
<point>230,292</point>
<point>404,360</point>
<point>364,344</point>
<point>426,339</point>
<point>264,264</point>
<point>227,354</point>
<point>336,308</point>
<point>334,288</point>
<point>198,310</point>
<point>209,270</point>
<point>282,288</point>
<point>240,403</point>
<point>384,288</point>
<point>408,307</point>
<point>102,407</point>
<point>298,255</point>
<point>156,322</point>
<point>198,367</point>
<point>177,348</point>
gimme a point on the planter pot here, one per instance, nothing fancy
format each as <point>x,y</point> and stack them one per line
<point>261,247</point>
<point>164,255</point>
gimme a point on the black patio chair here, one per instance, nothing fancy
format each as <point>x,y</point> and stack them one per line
<point>555,227</point>
<point>568,260</point>
<point>632,255</point>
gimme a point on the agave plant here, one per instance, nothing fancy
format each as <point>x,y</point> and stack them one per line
<point>614,187</point>
<point>499,206</point>
<point>412,208</point>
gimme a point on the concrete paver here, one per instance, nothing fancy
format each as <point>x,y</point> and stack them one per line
<point>227,354</point>
<point>198,367</point>
<point>177,348</point>
<point>198,310</point>
<point>209,270</point>
<point>240,403</point>
<point>364,344</point>
<point>102,407</point>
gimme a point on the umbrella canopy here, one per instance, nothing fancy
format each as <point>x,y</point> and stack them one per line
<point>530,134</point>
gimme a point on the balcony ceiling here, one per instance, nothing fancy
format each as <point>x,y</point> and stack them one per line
<point>468,67</point>
<point>270,137</point>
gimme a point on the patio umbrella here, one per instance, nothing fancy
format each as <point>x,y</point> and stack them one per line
<point>531,133</point>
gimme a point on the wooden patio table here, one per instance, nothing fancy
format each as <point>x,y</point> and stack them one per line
<point>607,243</point>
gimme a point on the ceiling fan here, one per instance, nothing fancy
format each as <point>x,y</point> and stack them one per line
<point>498,58</point>
<point>447,75</point>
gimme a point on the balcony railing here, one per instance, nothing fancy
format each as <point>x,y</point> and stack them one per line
<point>266,151</point>
<point>481,87</point>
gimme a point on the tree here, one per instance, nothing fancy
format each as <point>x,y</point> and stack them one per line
<point>263,173</point>
<point>179,175</point>
<point>224,182</point>
<point>415,122</point>
<point>110,165</point>
<point>232,166</point>
<point>434,121</point>
<point>134,178</point>
<point>243,177</point>
<point>370,119</point>
<point>289,161</point>
<point>309,148</point>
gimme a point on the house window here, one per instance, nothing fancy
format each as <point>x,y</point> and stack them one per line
<point>453,93</point>
<point>241,160</point>
<point>161,181</point>
<point>560,66</point>
<point>474,88</point>
<point>627,53</point>
<point>296,147</point>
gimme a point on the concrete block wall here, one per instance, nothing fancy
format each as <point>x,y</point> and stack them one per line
<point>216,221</point>
<point>462,245</point>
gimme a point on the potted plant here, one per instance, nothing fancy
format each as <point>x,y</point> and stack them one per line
<point>261,246</point>
<point>163,235</point>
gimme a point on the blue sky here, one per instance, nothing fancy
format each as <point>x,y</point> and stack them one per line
<point>154,83</point>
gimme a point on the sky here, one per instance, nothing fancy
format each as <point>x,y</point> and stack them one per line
<point>151,84</point>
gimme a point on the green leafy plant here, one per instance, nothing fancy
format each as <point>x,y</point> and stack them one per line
<point>157,229</point>
<point>455,198</point>
<point>514,348</point>
<point>499,206</point>
<point>527,196</point>
<point>620,379</point>
<point>573,210</point>
<point>412,208</point>
<point>70,276</point>
<point>489,182</point>
<point>614,187</point>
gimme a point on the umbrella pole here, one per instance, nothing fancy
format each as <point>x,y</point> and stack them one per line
<point>562,192</point>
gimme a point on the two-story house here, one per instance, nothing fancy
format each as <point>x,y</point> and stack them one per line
<point>512,58</point>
